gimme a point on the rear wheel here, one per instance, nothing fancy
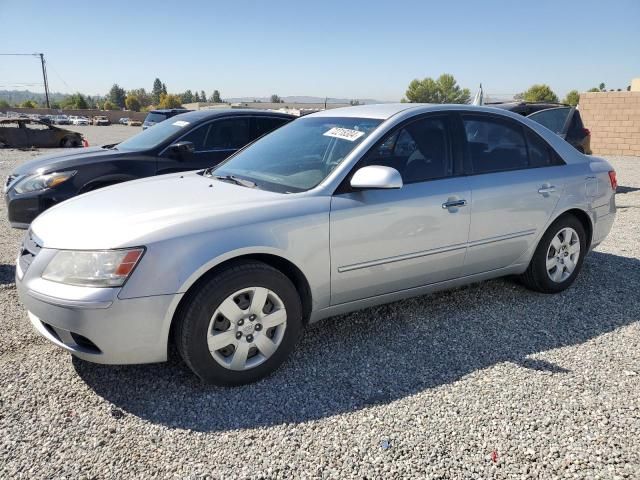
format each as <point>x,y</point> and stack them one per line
<point>558,257</point>
<point>240,325</point>
<point>69,142</point>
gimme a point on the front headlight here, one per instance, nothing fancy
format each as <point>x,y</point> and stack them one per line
<point>38,181</point>
<point>101,268</point>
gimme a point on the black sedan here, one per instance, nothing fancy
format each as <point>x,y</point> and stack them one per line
<point>189,141</point>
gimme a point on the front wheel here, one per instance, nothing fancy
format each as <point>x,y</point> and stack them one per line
<point>240,325</point>
<point>558,257</point>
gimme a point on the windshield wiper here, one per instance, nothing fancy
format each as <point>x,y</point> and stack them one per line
<point>237,180</point>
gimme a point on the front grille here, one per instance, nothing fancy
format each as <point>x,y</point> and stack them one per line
<point>30,248</point>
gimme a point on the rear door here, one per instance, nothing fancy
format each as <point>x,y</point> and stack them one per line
<point>516,181</point>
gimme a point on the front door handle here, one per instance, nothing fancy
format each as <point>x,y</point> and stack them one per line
<point>454,204</point>
<point>546,189</point>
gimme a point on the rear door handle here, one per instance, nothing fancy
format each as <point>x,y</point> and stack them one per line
<point>454,204</point>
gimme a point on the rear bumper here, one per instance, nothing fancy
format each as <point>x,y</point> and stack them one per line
<point>98,326</point>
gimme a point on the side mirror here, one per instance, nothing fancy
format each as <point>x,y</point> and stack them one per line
<point>376,176</point>
<point>181,149</point>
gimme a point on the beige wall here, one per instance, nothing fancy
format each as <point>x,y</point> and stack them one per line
<point>614,121</point>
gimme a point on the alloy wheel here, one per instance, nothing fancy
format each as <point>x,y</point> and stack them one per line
<point>563,255</point>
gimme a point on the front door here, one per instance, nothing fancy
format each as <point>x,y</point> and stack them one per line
<point>213,142</point>
<point>384,241</point>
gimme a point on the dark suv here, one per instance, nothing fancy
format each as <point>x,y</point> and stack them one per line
<point>561,119</point>
<point>157,116</point>
<point>191,141</point>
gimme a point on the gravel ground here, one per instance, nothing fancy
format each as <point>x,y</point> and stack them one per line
<point>488,381</point>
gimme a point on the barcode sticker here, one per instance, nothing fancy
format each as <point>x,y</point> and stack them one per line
<point>344,133</point>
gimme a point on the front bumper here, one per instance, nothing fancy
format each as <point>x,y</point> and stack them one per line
<point>23,208</point>
<point>93,323</point>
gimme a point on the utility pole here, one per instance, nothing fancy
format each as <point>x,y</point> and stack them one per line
<point>44,77</point>
<point>44,70</point>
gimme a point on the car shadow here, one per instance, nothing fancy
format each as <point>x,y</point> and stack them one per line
<point>621,189</point>
<point>382,354</point>
<point>7,274</point>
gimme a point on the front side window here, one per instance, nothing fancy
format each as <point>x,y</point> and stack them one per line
<point>299,155</point>
<point>419,151</point>
<point>197,137</point>
<point>228,134</point>
<point>494,144</point>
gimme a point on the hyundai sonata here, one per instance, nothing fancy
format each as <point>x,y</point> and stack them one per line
<point>335,211</point>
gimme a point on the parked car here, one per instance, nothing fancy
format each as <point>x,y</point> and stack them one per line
<point>79,120</point>
<point>561,119</point>
<point>134,123</point>
<point>48,119</point>
<point>61,120</point>
<point>191,141</point>
<point>336,211</point>
<point>123,120</point>
<point>26,133</point>
<point>101,120</point>
<point>157,116</point>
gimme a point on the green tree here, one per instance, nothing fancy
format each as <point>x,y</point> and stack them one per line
<point>203,96</point>
<point>444,89</point>
<point>196,97</point>
<point>164,89</point>
<point>4,104</point>
<point>602,87</point>
<point>156,91</point>
<point>77,101</point>
<point>276,99</point>
<point>354,102</point>
<point>132,103</point>
<point>29,104</point>
<point>117,95</point>
<point>143,97</point>
<point>109,105</point>
<point>215,98</point>
<point>594,89</point>
<point>540,93</point>
<point>572,98</point>
<point>187,97</point>
<point>168,100</point>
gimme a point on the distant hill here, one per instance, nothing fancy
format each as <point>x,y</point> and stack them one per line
<point>300,99</point>
<point>19,96</point>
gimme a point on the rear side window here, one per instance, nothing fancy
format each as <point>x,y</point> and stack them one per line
<point>494,144</point>
<point>228,134</point>
<point>540,154</point>
<point>264,125</point>
<point>553,118</point>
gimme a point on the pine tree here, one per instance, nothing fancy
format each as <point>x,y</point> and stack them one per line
<point>157,90</point>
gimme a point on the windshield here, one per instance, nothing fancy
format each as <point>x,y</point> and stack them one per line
<point>299,155</point>
<point>154,136</point>
<point>155,117</point>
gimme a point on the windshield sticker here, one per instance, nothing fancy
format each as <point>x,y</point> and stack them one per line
<point>181,123</point>
<point>344,133</point>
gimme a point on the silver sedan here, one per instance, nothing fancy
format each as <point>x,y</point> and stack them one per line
<point>336,211</point>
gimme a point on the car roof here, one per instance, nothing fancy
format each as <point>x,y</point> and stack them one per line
<point>384,111</point>
<point>198,115</point>
<point>169,110</point>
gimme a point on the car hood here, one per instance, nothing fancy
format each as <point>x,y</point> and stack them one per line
<point>66,159</point>
<point>157,208</point>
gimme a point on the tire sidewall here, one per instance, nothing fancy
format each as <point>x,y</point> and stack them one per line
<point>540,258</point>
<point>198,317</point>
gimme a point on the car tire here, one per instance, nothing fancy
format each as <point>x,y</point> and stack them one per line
<point>558,257</point>
<point>69,142</point>
<point>208,319</point>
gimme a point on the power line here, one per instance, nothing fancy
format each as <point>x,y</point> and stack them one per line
<point>44,69</point>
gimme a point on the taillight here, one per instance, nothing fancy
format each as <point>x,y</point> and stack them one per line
<point>586,132</point>
<point>85,143</point>
<point>613,180</point>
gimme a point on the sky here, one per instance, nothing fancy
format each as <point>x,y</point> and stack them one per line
<point>338,49</point>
